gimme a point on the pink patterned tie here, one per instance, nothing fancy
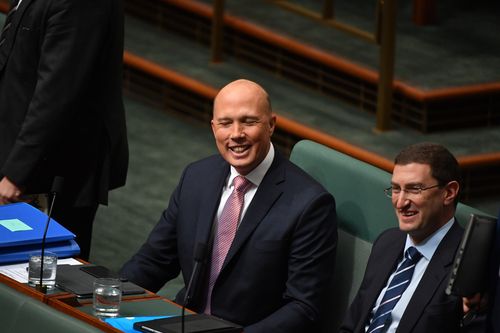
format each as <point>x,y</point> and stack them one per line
<point>226,229</point>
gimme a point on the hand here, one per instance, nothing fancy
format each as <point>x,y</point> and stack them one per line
<point>476,302</point>
<point>9,192</point>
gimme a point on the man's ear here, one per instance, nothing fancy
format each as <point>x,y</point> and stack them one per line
<point>451,192</point>
<point>212,125</point>
<point>272,124</point>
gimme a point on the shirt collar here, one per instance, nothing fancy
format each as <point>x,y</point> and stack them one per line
<point>257,174</point>
<point>430,244</point>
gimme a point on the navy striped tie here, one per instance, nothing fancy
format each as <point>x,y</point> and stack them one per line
<point>398,285</point>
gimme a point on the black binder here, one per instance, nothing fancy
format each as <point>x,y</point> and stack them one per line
<point>72,279</point>
<point>471,265</point>
<point>197,323</point>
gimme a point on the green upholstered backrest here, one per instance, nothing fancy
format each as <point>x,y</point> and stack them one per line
<point>20,313</point>
<point>43,318</point>
<point>363,210</point>
<point>363,213</point>
<point>10,303</point>
<point>463,213</point>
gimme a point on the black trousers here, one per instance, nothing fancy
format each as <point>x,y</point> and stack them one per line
<point>78,220</point>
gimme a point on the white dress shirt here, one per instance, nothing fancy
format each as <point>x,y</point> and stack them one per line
<point>255,176</point>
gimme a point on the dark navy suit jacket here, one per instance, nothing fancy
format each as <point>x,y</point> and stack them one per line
<point>430,309</point>
<point>275,276</point>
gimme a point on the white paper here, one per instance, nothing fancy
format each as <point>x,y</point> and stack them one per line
<point>19,272</point>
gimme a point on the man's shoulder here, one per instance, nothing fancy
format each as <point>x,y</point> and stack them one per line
<point>389,236</point>
<point>296,175</point>
<point>207,162</point>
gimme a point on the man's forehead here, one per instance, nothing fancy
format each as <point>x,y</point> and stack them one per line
<point>237,113</point>
<point>411,173</point>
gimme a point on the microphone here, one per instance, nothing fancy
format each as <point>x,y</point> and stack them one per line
<point>200,253</point>
<point>57,186</point>
<point>201,323</point>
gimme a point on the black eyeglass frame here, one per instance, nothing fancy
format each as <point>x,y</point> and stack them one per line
<point>414,190</point>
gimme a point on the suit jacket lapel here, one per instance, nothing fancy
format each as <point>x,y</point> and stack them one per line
<point>437,270</point>
<point>268,192</point>
<point>386,262</point>
<point>16,20</point>
<point>210,204</point>
<point>22,7</point>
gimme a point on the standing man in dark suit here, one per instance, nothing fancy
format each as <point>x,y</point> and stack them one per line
<point>408,295</point>
<point>277,269</point>
<point>61,108</point>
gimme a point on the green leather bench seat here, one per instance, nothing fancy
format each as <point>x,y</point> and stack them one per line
<point>10,303</point>
<point>20,313</point>
<point>363,212</point>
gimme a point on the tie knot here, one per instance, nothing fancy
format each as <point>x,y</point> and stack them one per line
<point>241,184</point>
<point>413,255</point>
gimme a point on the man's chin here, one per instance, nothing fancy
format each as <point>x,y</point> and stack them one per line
<point>406,226</point>
<point>241,165</point>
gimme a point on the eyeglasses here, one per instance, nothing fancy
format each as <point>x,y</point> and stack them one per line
<point>415,190</point>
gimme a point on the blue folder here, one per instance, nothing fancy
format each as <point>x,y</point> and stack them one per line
<point>21,232</point>
<point>23,224</point>
<point>13,254</point>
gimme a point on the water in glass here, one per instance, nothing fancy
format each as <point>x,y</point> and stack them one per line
<point>107,297</point>
<point>49,269</point>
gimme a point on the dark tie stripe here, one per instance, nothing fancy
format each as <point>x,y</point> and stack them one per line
<point>394,291</point>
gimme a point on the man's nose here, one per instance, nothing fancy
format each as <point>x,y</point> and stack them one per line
<point>402,200</point>
<point>237,131</point>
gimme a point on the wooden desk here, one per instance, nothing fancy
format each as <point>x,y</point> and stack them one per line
<point>130,307</point>
<point>30,291</point>
<point>148,304</point>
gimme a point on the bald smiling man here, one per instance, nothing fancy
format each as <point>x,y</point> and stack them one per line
<point>271,254</point>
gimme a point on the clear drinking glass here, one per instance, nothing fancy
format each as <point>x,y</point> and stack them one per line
<point>49,269</point>
<point>107,297</point>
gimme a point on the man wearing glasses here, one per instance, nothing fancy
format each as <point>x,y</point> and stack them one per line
<point>404,285</point>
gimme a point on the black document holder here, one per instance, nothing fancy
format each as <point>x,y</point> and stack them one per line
<point>72,279</point>
<point>197,323</point>
<point>471,265</point>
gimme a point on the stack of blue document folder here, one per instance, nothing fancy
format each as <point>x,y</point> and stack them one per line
<point>21,232</point>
